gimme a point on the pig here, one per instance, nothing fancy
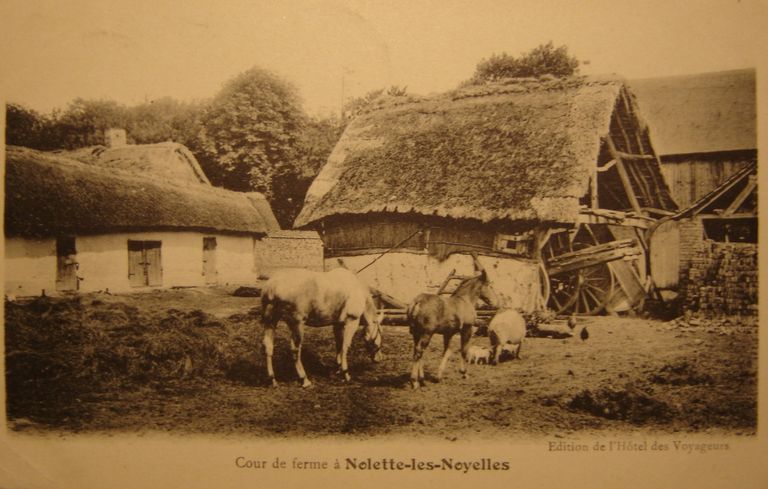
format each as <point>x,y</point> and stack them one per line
<point>478,354</point>
<point>506,328</point>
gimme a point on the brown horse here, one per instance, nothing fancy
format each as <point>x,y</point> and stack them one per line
<point>302,297</point>
<point>431,313</point>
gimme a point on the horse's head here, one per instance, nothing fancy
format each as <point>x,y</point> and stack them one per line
<point>486,292</point>
<point>373,335</point>
<point>479,286</point>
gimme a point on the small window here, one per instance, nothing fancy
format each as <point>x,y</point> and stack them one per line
<point>731,230</point>
<point>515,244</point>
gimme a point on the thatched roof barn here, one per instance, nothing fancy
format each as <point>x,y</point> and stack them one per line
<point>703,127</point>
<point>167,161</point>
<point>49,195</point>
<point>522,150</point>
<point>415,184</point>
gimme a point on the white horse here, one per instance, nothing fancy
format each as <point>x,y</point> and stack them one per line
<point>303,297</point>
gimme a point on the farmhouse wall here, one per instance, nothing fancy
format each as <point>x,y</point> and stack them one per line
<point>294,249</point>
<point>30,265</point>
<point>405,275</point>
<point>722,278</point>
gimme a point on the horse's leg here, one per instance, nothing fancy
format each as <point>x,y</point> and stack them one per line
<point>350,328</point>
<point>466,337</point>
<point>517,350</point>
<point>297,336</point>
<point>269,346</point>
<point>420,343</point>
<point>447,337</point>
<point>338,334</point>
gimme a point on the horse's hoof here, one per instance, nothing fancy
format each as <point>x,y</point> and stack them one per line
<point>306,383</point>
<point>415,384</point>
<point>347,377</point>
<point>273,382</point>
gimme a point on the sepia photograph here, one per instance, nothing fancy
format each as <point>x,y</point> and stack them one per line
<point>288,243</point>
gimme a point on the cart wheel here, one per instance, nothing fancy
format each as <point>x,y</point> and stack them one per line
<point>585,291</point>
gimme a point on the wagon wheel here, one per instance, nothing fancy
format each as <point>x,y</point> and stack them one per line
<point>584,291</point>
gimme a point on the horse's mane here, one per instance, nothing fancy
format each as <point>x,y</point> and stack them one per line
<point>466,284</point>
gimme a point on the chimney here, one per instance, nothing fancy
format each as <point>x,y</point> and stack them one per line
<point>114,138</point>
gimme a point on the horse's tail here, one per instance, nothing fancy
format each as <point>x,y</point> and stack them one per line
<point>267,304</point>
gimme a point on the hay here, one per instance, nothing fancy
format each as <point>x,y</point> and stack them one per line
<point>516,150</point>
<point>49,195</point>
<point>57,348</point>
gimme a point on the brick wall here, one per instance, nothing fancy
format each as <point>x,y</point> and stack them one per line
<point>691,236</point>
<point>721,278</point>
<point>293,249</point>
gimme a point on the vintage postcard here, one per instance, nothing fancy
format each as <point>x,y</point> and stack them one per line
<point>259,244</point>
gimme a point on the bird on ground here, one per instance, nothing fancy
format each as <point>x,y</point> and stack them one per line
<point>572,321</point>
<point>584,334</point>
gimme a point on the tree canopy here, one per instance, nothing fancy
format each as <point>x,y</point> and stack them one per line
<point>541,60</point>
<point>250,129</point>
<point>252,136</point>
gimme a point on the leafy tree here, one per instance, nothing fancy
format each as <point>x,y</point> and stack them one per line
<point>84,121</point>
<point>25,127</point>
<point>542,60</point>
<point>165,119</point>
<point>250,130</point>
<point>291,182</point>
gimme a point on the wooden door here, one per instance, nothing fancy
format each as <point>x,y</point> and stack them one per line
<point>209,260</point>
<point>144,263</point>
<point>66,264</point>
<point>153,263</point>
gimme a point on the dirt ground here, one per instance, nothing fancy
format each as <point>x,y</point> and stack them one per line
<point>190,361</point>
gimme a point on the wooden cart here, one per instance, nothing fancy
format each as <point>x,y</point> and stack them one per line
<point>589,271</point>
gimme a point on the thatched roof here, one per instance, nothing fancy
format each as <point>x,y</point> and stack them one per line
<point>48,195</point>
<point>709,112</point>
<point>519,150</point>
<point>168,161</point>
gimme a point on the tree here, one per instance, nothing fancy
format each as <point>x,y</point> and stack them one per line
<point>25,127</point>
<point>250,131</point>
<point>291,182</point>
<point>165,119</point>
<point>542,60</point>
<point>84,121</point>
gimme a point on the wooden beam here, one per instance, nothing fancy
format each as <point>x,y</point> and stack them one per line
<point>623,176</point>
<point>653,210</point>
<point>751,185</point>
<point>635,156</point>
<point>593,190</point>
<point>631,114</point>
<point>623,131</point>
<point>607,166</point>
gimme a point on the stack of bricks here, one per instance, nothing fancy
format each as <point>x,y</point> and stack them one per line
<point>721,279</point>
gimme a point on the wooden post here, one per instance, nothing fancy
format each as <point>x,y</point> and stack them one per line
<point>624,177</point>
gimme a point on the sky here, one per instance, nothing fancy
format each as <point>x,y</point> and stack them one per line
<point>133,51</point>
